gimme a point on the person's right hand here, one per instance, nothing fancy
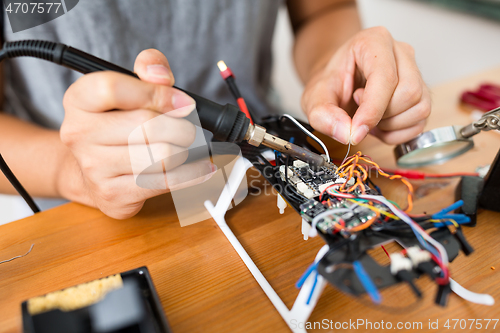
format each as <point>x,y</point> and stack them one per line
<point>102,110</point>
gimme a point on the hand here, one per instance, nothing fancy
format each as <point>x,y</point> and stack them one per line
<point>374,79</point>
<point>102,111</point>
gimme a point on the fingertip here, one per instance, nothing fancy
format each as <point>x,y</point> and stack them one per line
<point>332,121</point>
<point>341,132</point>
<point>152,66</point>
<point>358,96</point>
<point>366,117</point>
<point>358,134</point>
<point>182,103</point>
<point>159,72</point>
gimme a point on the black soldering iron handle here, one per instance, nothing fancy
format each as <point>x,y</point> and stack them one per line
<point>226,122</point>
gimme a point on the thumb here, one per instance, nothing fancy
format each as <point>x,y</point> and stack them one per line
<point>152,66</point>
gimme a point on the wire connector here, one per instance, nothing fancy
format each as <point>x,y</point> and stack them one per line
<point>225,71</point>
<point>421,260</point>
<point>401,268</point>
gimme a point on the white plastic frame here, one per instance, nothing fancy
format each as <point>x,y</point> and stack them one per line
<point>300,312</point>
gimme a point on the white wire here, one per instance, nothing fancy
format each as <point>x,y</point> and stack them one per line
<point>312,136</point>
<point>410,222</point>
<point>346,154</point>
<point>312,231</point>
<point>470,296</point>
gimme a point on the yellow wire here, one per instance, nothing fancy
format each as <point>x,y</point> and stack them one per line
<point>451,220</point>
<point>375,209</point>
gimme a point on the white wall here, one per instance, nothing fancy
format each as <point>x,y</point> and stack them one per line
<point>448,44</point>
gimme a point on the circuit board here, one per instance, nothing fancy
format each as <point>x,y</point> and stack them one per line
<point>311,183</point>
<point>338,204</point>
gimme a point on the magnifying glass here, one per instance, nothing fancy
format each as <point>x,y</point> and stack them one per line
<point>442,144</point>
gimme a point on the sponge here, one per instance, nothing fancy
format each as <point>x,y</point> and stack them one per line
<point>75,297</point>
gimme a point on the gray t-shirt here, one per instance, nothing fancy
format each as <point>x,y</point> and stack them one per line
<point>193,34</point>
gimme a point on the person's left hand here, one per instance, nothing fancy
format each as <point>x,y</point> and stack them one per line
<point>374,79</point>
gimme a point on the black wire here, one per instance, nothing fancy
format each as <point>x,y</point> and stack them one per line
<point>375,187</point>
<point>17,185</point>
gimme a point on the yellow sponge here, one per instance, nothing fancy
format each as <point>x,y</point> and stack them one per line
<point>75,297</point>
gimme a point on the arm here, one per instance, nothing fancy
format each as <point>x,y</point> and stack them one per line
<point>357,82</point>
<point>37,157</point>
<point>321,27</point>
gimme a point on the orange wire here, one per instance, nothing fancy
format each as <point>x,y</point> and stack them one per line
<point>366,224</point>
<point>351,167</point>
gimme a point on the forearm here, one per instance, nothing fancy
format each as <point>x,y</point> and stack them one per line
<point>40,161</point>
<point>320,36</point>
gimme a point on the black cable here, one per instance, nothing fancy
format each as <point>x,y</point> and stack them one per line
<point>17,185</point>
<point>375,187</point>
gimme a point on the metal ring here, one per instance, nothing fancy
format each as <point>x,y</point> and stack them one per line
<point>436,144</point>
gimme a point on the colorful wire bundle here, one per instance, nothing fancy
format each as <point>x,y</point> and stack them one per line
<point>351,167</point>
<point>357,166</point>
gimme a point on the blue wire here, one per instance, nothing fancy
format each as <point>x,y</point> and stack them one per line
<point>367,282</point>
<point>424,243</point>
<point>457,217</point>
<point>313,287</point>
<point>448,209</point>
<point>306,274</point>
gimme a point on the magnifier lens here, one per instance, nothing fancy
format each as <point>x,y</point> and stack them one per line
<point>437,153</point>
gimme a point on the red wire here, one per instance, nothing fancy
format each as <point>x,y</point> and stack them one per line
<point>383,248</point>
<point>457,174</point>
<point>414,174</point>
<point>244,108</point>
<point>446,278</point>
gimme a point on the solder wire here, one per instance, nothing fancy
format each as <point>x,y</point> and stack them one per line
<point>20,256</point>
<point>308,133</point>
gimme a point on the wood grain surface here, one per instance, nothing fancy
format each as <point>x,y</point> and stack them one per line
<point>202,283</point>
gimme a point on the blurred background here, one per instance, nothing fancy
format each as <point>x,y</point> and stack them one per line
<point>452,39</point>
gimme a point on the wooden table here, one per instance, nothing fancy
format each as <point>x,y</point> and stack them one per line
<point>203,284</point>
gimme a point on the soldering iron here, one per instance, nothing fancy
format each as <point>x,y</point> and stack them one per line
<point>226,122</point>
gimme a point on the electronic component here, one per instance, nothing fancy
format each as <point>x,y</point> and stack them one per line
<point>308,181</point>
<point>312,208</point>
<point>401,267</point>
<point>353,218</point>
